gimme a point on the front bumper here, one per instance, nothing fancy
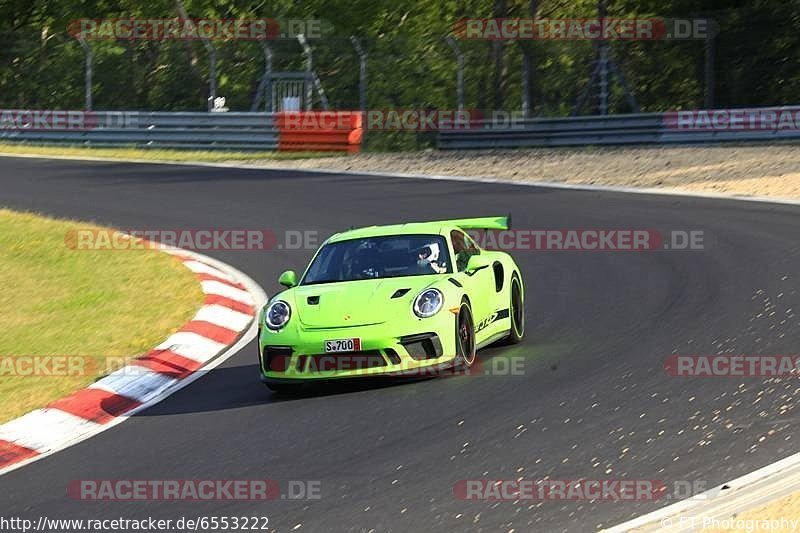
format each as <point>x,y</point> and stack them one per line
<point>292,356</point>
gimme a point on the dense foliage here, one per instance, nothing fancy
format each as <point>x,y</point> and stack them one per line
<point>410,65</point>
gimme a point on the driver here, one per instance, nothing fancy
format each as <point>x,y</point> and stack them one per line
<point>428,258</point>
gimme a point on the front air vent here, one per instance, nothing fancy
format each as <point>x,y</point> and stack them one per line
<point>399,293</point>
<point>276,358</point>
<point>392,356</point>
<point>422,346</point>
<point>313,300</point>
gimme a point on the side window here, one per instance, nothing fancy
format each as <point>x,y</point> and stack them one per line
<point>472,248</point>
<point>464,248</point>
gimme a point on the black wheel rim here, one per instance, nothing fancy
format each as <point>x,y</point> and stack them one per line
<point>466,338</point>
<point>517,309</point>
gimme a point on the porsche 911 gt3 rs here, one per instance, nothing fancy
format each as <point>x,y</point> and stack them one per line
<point>395,300</point>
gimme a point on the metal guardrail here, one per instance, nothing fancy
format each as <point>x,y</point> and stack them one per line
<point>644,128</point>
<point>268,131</point>
<point>223,131</point>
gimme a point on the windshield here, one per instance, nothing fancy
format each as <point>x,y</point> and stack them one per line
<point>379,257</point>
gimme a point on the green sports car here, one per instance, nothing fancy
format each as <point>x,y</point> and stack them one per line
<point>402,300</point>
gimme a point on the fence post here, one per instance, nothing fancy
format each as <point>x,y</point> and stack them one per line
<point>526,90</point>
<point>87,93</point>
<point>709,71</point>
<point>212,74</point>
<point>362,73</point>
<point>267,75</point>
<point>265,85</point>
<point>362,86</point>
<point>312,76</point>
<point>309,69</point>
<point>460,72</point>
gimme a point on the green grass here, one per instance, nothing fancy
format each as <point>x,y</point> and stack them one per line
<point>60,301</point>
<point>209,156</point>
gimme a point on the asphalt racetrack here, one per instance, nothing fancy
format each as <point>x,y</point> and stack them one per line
<point>593,400</point>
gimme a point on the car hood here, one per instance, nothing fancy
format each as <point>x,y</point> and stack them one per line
<point>357,303</point>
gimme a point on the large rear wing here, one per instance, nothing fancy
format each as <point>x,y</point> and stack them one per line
<point>499,223</point>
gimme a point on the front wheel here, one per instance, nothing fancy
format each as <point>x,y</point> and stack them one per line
<point>516,312</point>
<point>465,337</point>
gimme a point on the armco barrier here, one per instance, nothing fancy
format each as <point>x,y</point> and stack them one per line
<point>343,130</point>
<point>184,130</point>
<point>225,131</point>
<point>644,128</point>
<point>320,131</point>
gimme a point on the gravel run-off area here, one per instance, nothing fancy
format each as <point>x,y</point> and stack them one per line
<point>756,170</point>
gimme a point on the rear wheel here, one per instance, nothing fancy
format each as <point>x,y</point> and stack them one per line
<point>516,312</point>
<point>465,337</point>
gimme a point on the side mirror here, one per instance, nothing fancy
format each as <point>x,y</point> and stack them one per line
<point>477,262</point>
<point>288,279</point>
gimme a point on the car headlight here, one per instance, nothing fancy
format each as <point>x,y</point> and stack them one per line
<point>428,303</point>
<point>277,315</point>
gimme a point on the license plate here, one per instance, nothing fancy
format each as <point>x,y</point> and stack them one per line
<point>342,345</point>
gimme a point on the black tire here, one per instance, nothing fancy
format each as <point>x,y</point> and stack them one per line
<point>516,311</point>
<point>466,354</point>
